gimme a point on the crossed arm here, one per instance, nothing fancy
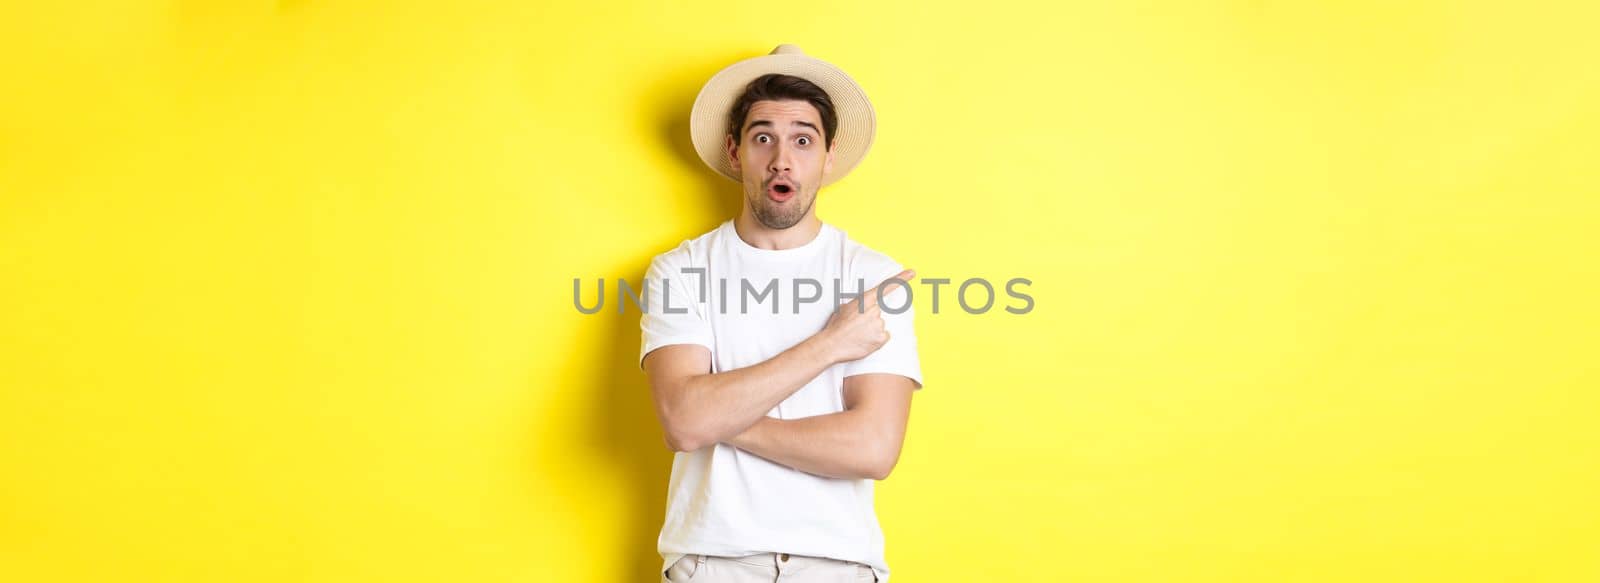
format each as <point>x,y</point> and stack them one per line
<point>698,408</point>
<point>862,441</point>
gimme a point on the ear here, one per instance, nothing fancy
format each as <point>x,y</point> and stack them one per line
<point>733,155</point>
<point>827,163</point>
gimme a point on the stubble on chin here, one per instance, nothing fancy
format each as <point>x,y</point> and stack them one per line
<point>778,216</point>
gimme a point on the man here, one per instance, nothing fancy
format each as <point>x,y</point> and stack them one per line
<point>783,405</point>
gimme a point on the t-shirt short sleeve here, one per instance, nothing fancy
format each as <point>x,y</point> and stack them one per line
<point>899,354</point>
<point>673,312</point>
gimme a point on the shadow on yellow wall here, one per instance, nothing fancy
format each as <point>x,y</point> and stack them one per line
<point>622,417</point>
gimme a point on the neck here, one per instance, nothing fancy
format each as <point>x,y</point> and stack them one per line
<point>762,237</point>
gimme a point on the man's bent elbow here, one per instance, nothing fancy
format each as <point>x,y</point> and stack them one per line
<point>684,439</point>
<point>881,464</point>
<point>685,430</point>
<point>684,444</point>
<point>880,471</point>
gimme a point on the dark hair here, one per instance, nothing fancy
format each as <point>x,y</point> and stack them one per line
<point>775,87</point>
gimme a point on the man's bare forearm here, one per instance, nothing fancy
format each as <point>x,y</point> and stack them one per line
<point>713,407</point>
<point>699,409</point>
<point>836,445</point>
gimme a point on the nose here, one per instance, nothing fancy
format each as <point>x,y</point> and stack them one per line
<point>781,160</point>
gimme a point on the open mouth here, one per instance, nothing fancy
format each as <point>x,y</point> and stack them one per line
<point>780,191</point>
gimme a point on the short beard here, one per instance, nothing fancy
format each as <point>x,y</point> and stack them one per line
<point>778,219</point>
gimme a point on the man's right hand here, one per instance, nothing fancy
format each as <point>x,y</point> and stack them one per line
<point>856,328</point>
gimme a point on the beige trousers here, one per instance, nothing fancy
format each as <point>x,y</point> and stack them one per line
<point>767,568</point>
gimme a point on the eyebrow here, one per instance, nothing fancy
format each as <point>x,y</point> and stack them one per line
<point>768,123</point>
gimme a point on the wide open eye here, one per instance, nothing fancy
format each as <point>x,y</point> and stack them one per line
<point>763,139</point>
<point>804,140</point>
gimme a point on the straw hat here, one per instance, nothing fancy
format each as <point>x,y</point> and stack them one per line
<point>708,121</point>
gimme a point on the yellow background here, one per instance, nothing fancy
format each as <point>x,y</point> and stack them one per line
<point>285,288</point>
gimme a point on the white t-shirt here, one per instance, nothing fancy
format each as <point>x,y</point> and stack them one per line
<point>728,502</point>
